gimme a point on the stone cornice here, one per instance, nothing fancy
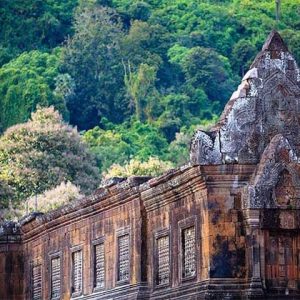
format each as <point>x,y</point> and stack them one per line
<point>103,199</point>
<point>181,182</point>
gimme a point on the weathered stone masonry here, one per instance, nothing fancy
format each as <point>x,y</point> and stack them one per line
<point>225,226</point>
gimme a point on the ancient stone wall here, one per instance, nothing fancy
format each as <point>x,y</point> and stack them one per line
<point>113,213</point>
<point>174,207</point>
<point>11,262</point>
<point>227,237</point>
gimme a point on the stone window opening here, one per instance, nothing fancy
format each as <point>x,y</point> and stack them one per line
<point>55,277</point>
<point>123,258</point>
<point>188,244</point>
<point>99,265</point>
<point>77,273</point>
<point>163,260</point>
<point>36,282</point>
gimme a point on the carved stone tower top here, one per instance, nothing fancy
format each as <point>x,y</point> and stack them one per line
<point>266,104</point>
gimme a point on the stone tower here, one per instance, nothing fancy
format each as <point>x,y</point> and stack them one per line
<point>266,104</point>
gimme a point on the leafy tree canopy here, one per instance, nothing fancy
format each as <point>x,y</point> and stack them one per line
<point>120,143</point>
<point>53,198</point>
<point>28,81</point>
<point>92,58</point>
<point>33,24</point>
<point>42,153</point>
<point>152,167</point>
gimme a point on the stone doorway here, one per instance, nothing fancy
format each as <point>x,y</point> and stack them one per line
<point>282,255</point>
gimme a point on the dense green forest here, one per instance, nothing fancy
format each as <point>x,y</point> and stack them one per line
<point>135,77</point>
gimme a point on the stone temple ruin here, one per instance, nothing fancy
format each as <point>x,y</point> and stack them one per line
<point>225,226</point>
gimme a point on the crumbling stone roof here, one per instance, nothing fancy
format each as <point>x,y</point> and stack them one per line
<point>10,232</point>
<point>277,158</point>
<point>266,103</point>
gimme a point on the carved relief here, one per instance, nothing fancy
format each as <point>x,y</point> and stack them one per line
<point>235,134</point>
<point>280,107</point>
<point>287,220</point>
<point>205,149</point>
<point>274,183</point>
<point>265,104</point>
<point>285,191</point>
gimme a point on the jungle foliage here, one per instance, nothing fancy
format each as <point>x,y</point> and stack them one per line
<point>41,154</point>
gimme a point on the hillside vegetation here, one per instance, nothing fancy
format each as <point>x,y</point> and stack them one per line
<point>135,77</point>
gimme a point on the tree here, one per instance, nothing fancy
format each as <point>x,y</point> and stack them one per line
<point>148,43</point>
<point>28,81</point>
<point>145,43</point>
<point>178,150</point>
<point>243,54</point>
<point>52,199</point>
<point>45,202</point>
<point>92,58</point>
<point>140,11</point>
<point>33,24</point>
<point>142,90</point>
<point>207,69</point>
<point>5,195</point>
<point>108,146</point>
<point>152,167</point>
<point>180,110</point>
<point>293,41</point>
<point>120,143</point>
<point>42,153</point>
